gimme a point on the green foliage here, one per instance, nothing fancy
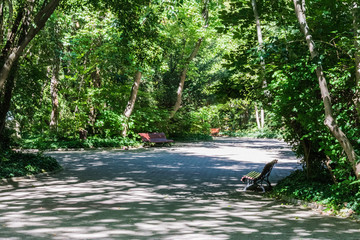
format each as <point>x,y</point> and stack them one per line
<point>98,49</point>
<point>319,188</point>
<point>255,133</point>
<point>13,164</point>
<point>190,137</point>
<point>91,142</point>
<point>149,120</point>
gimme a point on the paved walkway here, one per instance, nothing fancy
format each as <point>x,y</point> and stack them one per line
<point>187,192</point>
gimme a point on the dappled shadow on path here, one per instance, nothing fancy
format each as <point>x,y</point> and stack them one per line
<point>163,193</point>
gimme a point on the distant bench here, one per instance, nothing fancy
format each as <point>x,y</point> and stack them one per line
<point>214,131</point>
<point>155,138</point>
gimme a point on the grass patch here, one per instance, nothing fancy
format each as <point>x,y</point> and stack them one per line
<point>14,164</point>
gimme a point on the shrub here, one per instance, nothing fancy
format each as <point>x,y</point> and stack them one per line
<point>13,164</point>
<point>319,188</point>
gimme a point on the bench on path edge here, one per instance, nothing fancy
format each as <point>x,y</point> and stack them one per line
<point>214,131</point>
<point>155,138</point>
<point>256,178</point>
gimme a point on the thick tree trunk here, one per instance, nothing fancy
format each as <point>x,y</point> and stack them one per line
<point>12,52</point>
<point>54,96</point>
<point>183,77</point>
<point>131,103</point>
<point>5,101</point>
<point>329,121</point>
<point>356,13</point>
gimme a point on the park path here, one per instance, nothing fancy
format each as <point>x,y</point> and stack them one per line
<point>188,191</point>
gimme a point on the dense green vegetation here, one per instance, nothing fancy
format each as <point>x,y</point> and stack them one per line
<point>99,72</point>
<point>13,164</point>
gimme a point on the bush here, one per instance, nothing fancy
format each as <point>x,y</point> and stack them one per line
<point>91,142</point>
<point>13,164</point>
<point>254,133</point>
<point>320,189</point>
<point>190,137</point>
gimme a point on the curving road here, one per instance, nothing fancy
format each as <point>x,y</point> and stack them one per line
<point>188,191</point>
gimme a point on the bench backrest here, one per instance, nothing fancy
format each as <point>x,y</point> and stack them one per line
<point>148,136</point>
<point>214,130</point>
<point>267,169</point>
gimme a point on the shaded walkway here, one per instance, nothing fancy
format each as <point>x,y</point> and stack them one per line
<point>184,192</point>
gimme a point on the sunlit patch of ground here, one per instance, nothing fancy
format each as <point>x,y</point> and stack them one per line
<point>183,192</point>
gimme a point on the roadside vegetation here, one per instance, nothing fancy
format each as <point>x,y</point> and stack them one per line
<point>16,164</point>
<point>88,74</point>
<point>320,189</point>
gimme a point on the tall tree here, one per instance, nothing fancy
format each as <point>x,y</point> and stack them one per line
<point>54,95</point>
<point>183,77</point>
<point>260,122</point>
<point>138,22</point>
<point>131,103</point>
<point>30,18</point>
<point>329,121</point>
<point>355,14</point>
<point>205,17</point>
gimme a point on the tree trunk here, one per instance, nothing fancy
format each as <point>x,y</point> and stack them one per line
<point>12,52</point>
<point>54,96</point>
<point>131,103</point>
<point>23,30</point>
<point>355,13</point>
<point>5,101</point>
<point>2,8</point>
<point>306,147</point>
<point>183,77</point>
<point>96,81</point>
<point>257,117</point>
<point>327,162</point>
<point>329,121</point>
<point>262,117</point>
<point>262,60</point>
<point>260,39</point>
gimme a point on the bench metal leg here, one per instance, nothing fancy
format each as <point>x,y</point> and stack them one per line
<point>250,183</point>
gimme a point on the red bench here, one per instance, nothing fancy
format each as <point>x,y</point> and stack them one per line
<point>155,138</point>
<point>214,131</point>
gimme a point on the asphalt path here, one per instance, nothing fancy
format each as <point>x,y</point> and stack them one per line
<point>187,191</point>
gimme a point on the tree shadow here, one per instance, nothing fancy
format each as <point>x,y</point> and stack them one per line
<point>156,193</point>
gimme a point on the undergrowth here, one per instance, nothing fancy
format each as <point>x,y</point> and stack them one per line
<point>254,133</point>
<point>14,164</point>
<point>190,137</point>
<point>92,142</point>
<point>320,189</point>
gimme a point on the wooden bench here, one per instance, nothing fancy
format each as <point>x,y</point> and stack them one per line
<point>214,131</point>
<point>155,138</point>
<point>256,178</point>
